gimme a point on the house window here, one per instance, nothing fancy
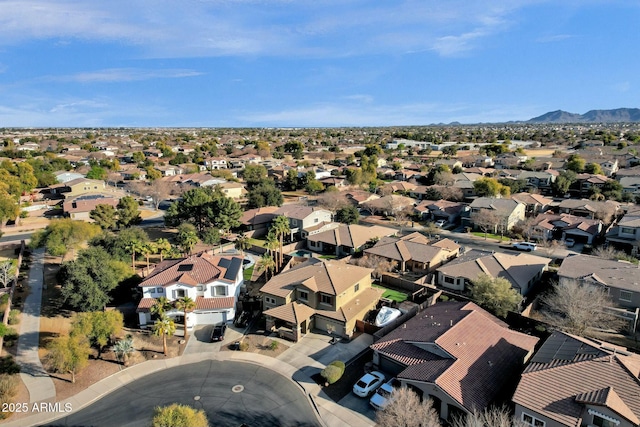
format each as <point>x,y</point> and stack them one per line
<point>356,288</point>
<point>179,293</point>
<point>269,300</point>
<point>627,230</point>
<point>326,299</point>
<point>200,288</point>
<point>152,290</point>
<point>160,290</point>
<point>316,220</point>
<point>532,421</point>
<point>448,279</point>
<point>303,295</point>
<point>219,291</point>
<point>626,296</point>
<point>601,422</point>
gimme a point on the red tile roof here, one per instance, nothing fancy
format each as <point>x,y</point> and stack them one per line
<point>196,269</point>
<point>145,304</point>
<point>215,303</point>
<point>485,353</point>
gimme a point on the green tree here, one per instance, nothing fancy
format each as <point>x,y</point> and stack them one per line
<point>124,349</point>
<point>186,305</point>
<point>242,243</point>
<point>97,172</point>
<point>314,186</point>
<point>575,163</point>
<point>164,327</point>
<point>98,326</point>
<point>162,246</point>
<point>68,354</point>
<point>187,238</point>
<point>348,215</point>
<point>9,208</point>
<point>281,227</point>
<point>563,182</point>
<point>135,247</point>
<point>119,244</point>
<point>268,263</point>
<point>128,212</point>
<point>160,306</point>
<point>204,207</point>
<point>495,294</point>
<point>254,174</point>
<point>176,415</point>
<point>264,194</point>
<point>515,185</point>
<point>105,216</point>
<point>64,235</point>
<point>291,180</point>
<point>593,168</point>
<point>490,187</point>
<point>211,236</point>
<point>225,214</point>
<point>87,281</point>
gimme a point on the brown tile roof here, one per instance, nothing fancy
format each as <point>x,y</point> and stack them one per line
<point>145,304</point>
<point>330,277</point>
<point>569,372</point>
<point>351,236</point>
<point>485,354</point>
<point>365,298</point>
<point>258,216</point>
<point>294,312</point>
<point>215,303</point>
<point>413,247</point>
<point>616,274</point>
<point>193,270</point>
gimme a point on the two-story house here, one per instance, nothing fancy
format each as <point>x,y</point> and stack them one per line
<point>456,354</point>
<point>213,282</point>
<point>440,209</point>
<point>626,235</point>
<point>345,239</point>
<point>507,212</point>
<point>329,296</point>
<point>576,382</point>
<point>523,271</point>
<point>415,252</point>
<point>303,219</point>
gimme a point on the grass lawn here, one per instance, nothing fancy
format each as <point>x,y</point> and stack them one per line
<point>248,273</point>
<point>491,236</point>
<point>393,295</point>
<point>257,242</point>
<point>327,256</point>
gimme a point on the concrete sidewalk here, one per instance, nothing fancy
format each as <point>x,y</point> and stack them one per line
<point>330,413</point>
<point>35,378</point>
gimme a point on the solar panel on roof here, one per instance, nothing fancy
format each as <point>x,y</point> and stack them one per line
<point>185,267</point>
<point>224,262</point>
<point>233,269</point>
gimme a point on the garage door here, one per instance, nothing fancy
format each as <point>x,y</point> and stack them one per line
<point>211,317</point>
<point>390,366</point>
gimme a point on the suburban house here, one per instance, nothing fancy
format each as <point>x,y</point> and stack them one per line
<point>576,382</point>
<point>78,187</point>
<point>303,219</point>
<point>626,235</point>
<point>534,203</point>
<point>234,190</point>
<point>548,226</point>
<point>415,252</point>
<point>66,176</point>
<point>213,282</point>
<point>346,239</point>
<point>358,197</point>
<point>603,210</point>
<point>619,278</point>
<point>329,296</point>
<point>588,183</point>
<point>631,184</point>
<point>214,163</point>
<point>440,209</point>
<point>258,220</point>
<point>456,354</point>
<point>388,205</point>
<point>539,180</point>
<point>507,212</point>
<point>522,270</point>
<point>79,207</point>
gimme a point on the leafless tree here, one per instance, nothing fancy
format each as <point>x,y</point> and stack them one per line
<point>613,254</point>
<point>7,273</point>
<point>379,264</point>
<point>491,417</point>
<point>549,246</point>
<point>579,308</point>
<point>486,220</point>
<point>158,190</point>
<point>405,409</point>
<point>605,213</point>
<point>332,201</point>
<point>451,193</point>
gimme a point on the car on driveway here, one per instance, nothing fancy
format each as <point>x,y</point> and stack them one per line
<point>218,332</point>
<point>382,396</point>
<point>368,384</point>
<point>441,223</point>
<point>569,242</point>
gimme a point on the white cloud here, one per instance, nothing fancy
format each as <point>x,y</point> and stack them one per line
<point>113,75</point>
<point>555,38</point>
<point>166,28</point>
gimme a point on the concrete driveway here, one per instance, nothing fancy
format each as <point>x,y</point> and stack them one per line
<point>200,339</point>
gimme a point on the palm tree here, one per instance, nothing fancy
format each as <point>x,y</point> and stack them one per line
<point>123,349</point>
<point>162,246</point>
<point>135,246</point>
<point>271,243</point>
<point>186,305</point>
<point>164,327</point>
<point>160,306</point>
<point>281,227</point>
<point>268,263</point>
<point>147,249</point>
<point>242,243</point>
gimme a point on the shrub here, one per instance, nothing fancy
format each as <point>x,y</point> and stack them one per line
<point>8,389</point>
<point>8,366</point>
<point>273,345</point>
<point>331,373</point>
<point>244,346</point>
<point>176,415</point>
<point>13,317</point>
<point>339,364</point>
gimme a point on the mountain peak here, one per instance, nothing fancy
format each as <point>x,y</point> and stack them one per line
<point>593,116</point>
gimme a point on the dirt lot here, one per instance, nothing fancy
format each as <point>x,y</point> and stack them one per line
<point>260,344</point>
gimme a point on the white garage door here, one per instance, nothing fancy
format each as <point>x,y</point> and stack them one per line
<point>211,317</point>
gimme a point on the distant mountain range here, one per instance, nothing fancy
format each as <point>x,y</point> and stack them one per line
<point>593,116</point>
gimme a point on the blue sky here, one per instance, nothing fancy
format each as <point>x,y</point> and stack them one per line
<point>252,63</point>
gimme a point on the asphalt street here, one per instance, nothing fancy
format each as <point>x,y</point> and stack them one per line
<point>231,393</point>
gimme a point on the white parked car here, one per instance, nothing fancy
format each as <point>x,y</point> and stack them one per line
<point>368,384</point>
<point>441,223</point>
<point>382,396</point>
<point>569,242</point>
<point>525,246</point>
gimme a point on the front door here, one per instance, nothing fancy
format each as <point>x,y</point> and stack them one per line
<point>303,327</point>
